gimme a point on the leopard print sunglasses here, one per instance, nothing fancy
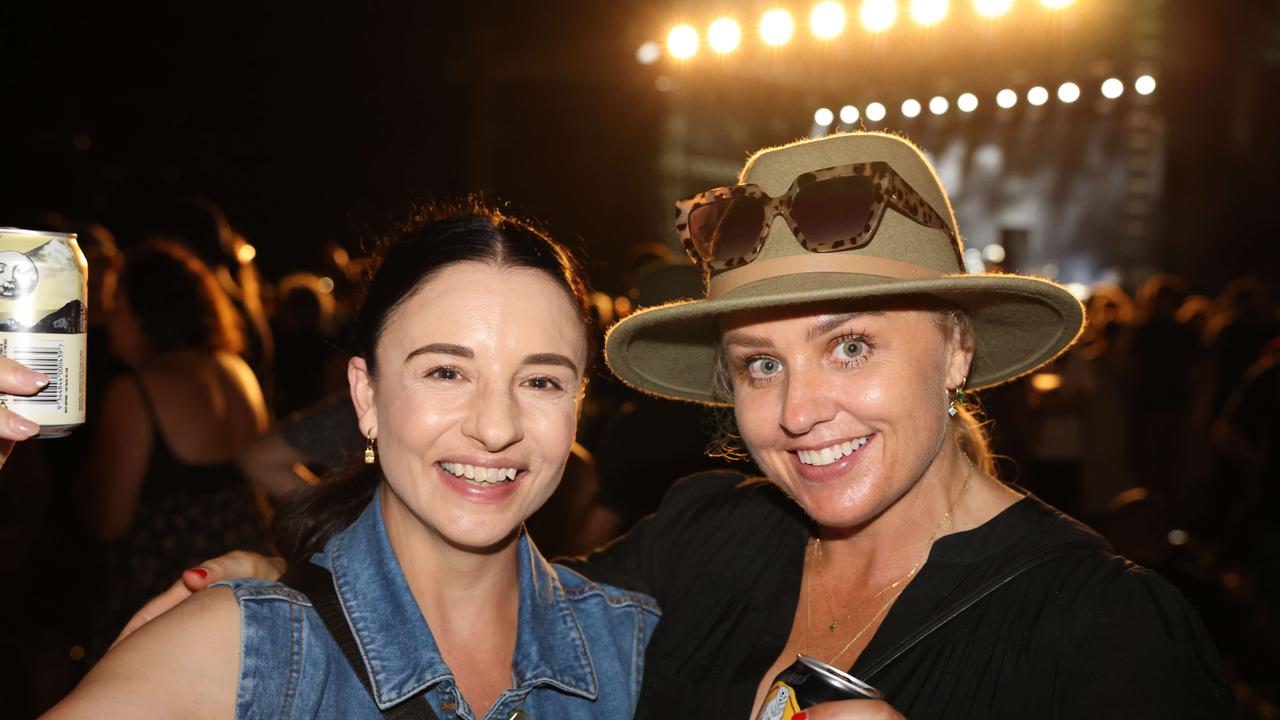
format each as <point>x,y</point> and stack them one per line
<point>837,208</point>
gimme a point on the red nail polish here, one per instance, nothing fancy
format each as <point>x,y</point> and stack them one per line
<point>200,571</point>
<point>800,716</point>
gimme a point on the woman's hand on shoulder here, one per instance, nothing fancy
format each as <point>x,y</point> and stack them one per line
<point>235,564</point>
<point>851,710</point>
<point>185,664</point>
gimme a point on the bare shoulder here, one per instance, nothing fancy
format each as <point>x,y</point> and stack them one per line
<point>183,664</point>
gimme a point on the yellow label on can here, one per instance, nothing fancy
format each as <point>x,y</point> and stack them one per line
<point>779,704</point>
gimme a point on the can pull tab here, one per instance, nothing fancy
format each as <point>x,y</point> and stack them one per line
<point>520,714</point>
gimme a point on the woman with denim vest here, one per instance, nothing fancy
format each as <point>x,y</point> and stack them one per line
<point>425,597</point>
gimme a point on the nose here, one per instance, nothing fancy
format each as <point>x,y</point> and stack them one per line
<point>806,401</point>
<point>494,421</point>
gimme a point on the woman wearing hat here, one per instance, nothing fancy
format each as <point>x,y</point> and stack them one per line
<point>841,328</point>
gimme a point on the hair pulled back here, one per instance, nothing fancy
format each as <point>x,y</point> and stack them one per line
<point>435,238</point>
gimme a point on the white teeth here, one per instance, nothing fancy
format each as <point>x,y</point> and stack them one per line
<point>828,455</point>
<point>480,475</point>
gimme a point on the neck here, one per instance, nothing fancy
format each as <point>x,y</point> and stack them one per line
<point>455,587</point>
<point>898,538</point>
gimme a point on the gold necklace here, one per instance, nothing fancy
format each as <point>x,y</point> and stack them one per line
<point>948,519</point>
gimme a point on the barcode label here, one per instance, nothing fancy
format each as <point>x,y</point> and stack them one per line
<point>49,358</point>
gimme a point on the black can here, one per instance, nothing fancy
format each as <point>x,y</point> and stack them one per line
<point>807,682</point>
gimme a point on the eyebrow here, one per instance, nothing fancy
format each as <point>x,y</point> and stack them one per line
<point>746,340</point>
<point>463,351</point>
<point>551,359</point>
<point>827,324</point>
<point>441,349</point>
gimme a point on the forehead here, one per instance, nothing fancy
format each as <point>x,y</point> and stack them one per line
<point>786,325</point>
<point>484,304</point>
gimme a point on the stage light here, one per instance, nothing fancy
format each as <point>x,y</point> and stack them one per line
<point>1056,4</point>
<point>911,107</point>
<point>848,114</point>
<point>1145,85</point>
<point>326,285</point>
<point>1112,88</point>
<point>1046,382</point>
<point>967,102</point>
<point>938,105</point>
<point>1037,95</point>
<point>1079,291</point>
<point>724,35</point>
<point>993,253</point>
<point>827,20</point>
<point>648,53</point>
<point>1178,537</point>
<point>1006,98</point>
<point>824,117</point>
<point>1068,92</point>
<point>878,15</point>
<point>662,83</point>
<point>682,42</point>
<point>875,112</point>
<point>776,27</point>
<point>928,12</point>
<point>992,8</point>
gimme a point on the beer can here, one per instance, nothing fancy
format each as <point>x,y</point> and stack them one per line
<point>808,682</point>
<point>43,323</point>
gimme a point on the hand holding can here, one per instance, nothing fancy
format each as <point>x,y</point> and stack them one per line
<point>43,324</point>
<point>17,379</point>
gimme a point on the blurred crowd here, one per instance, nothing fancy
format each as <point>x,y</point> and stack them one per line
<point>214,392</point>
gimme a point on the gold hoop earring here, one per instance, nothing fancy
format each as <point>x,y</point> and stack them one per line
<point>371,450</point>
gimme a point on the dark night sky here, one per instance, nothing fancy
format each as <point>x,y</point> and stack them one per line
<point>317,124</point>
<point>320,122</point>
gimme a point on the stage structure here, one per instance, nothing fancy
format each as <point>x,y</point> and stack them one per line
<point>1043,116</point>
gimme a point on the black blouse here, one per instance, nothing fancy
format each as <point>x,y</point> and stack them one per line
<point>1085,635</point>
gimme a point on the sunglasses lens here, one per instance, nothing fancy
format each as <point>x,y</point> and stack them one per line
<point>833,210</point>
<point>728,229</point>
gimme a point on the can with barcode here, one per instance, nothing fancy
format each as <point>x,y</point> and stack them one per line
<point>808,682</point>
<point>43,323</point>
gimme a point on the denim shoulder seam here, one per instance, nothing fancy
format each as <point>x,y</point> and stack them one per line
<point>261,590</point>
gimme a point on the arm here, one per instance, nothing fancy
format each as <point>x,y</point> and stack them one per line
<point>184,665</point>
<point>1145,654</point>
<point>235,564</point>
<point>275,467</point>
<point>118,462</point>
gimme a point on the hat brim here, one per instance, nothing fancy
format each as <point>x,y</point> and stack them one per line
<point>1020,323</point>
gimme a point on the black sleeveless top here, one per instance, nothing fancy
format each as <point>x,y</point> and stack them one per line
<point>186,513</point>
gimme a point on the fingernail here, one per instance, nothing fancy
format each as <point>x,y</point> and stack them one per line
<point>199,571</point>
<point>32,378</point>
<point>23,425</point>
<point>800,716</point>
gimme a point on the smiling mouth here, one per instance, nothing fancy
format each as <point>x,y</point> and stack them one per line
<point>477,475</point>
<point>828,455</point>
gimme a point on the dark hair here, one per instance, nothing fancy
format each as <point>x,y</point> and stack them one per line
<point>435,238</point>
<point>177,299</point>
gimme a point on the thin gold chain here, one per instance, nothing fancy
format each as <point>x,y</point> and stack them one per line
<point>947,521</point>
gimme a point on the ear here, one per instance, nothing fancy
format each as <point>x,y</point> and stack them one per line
<point>959,356</point>
<point>362,395</point>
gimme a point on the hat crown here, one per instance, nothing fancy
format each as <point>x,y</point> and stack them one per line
<point>898,238</point>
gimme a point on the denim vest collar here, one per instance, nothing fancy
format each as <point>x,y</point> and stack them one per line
<point>399,651</point>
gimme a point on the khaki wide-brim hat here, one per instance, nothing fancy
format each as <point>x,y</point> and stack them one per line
<point>1020,322</point>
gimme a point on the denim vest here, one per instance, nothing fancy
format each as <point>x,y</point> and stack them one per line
<point>579,645</point>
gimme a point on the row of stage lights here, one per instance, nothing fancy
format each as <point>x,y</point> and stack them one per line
<point>827,21</point>
<point>1068,92</point>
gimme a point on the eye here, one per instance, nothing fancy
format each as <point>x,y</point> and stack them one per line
<point>850,350</point>
<point>543,382</point>
<point>444,373</point>
<point>761,368</point>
